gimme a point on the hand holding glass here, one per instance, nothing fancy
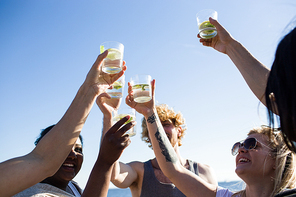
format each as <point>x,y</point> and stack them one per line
<point>113,62</point>
<point>206,29</point>
<point>141,86</point>
<point>121,113</point>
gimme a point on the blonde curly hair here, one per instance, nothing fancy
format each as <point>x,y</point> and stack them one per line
<point>285,175</point>
<point>165,113</point>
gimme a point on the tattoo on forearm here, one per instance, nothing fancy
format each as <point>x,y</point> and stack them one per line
<point>169,157</point>
<point>151,119</point>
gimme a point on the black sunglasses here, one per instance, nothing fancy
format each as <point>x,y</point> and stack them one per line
<point>248,144</point>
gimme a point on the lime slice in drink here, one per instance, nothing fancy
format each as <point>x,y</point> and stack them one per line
<point>120,116</point>
<point>114,54</point>
<point>129,120</point>
<point>102,49</point>
<point>143,86</point>
<point>207,26</point>
<point>117,85</point>
<point>138,86</point>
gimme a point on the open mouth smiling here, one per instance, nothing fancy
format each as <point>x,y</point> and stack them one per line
<point>243,160</point>
<point>68,166</point>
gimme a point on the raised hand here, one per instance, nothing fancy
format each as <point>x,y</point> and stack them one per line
<point>107,104</point>
<point>99,80</point>
<point>113,144</point>
<point>115,141</point>
<point>142,108</point>
<point>220,41</point>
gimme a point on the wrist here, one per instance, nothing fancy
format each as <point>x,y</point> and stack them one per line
<point>232,47</point>
<point>104,165</point>
<point>107,117</point>
<point>87,91</point>
<point>149,112</point>
<point>107,122</point>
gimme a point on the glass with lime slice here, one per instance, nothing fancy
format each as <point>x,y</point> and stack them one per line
<point>113,62</point>
<point>206,29</point>
<point>141,86</point>
<point>116,89</point>
<point>121,113</point>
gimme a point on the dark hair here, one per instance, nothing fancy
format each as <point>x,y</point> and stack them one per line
<point>282,85</point>
<point>45,131</point>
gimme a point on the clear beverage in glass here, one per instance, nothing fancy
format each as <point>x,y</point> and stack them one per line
<point>141,86</point>
<point>116,89</point>
<point>206,29</point>
<point>113,62</point>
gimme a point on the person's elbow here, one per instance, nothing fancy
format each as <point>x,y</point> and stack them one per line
<point>174,171</point>
<point>43,164</point>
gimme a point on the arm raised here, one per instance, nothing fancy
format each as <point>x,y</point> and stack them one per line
<point>22,172</point>
<point>186,181</point>
<point>253,71</point>
<point>112,146</point>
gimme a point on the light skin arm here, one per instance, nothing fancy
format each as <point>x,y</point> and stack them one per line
<point>112,146</point>
<point>123,175</point>
<point>186,181</point>
<point>207,174</point>
<point>22,172</point>
<point>253,71</point>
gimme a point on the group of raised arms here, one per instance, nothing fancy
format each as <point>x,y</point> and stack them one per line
<point>57,157</point>
<point>265,160</point>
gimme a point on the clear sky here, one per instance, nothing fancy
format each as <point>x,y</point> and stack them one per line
<point>47,48</point>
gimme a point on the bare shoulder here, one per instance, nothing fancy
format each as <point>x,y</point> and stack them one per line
<point>137,166</point>
<point>203,167</point>
<point>207,173</point>
<point>136,186</point>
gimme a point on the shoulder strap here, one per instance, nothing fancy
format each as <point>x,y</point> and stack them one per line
<point>74,189</point>
<point>193,166</point>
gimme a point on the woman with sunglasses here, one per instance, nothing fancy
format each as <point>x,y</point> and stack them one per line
<point>265,150</point>
<point>263,160</point>
<point>275,88</point>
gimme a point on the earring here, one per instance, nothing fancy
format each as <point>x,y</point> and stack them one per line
<point>271,96</point>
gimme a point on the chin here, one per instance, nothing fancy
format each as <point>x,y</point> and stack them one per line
<point>239,170</point>
<point>68,177</point>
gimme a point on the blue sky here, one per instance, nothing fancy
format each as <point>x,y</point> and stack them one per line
<point>47,48</point>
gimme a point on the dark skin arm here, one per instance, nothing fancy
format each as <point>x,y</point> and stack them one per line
<point>112,146</point>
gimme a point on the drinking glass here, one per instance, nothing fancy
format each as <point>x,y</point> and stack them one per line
<point>121,113</point>
<point>113,62</point>
<point>206,29</point>
<point>141,86</point>
<point>116,89</point>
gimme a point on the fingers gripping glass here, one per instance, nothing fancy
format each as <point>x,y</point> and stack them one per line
<point>248,144</point>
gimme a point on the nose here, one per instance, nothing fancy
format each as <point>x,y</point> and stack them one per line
<point>242,149</point>
<point>72,154</point>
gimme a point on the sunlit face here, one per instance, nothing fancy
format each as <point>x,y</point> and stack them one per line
<point>71,165</point>
<point>171,131</point>
<point>255,163</point>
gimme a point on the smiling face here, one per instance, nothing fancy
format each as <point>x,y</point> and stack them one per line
<point>171,131</point>
<point>69,168</point>
<point>166,114</point>
<point>255,163</point>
